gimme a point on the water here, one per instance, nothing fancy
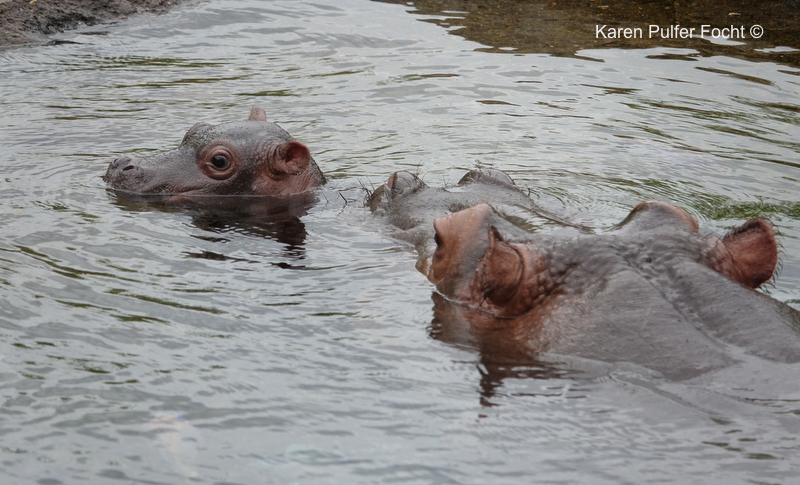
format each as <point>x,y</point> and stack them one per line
<point>144,345</point>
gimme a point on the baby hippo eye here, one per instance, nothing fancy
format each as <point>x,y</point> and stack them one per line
<point>220,162</point>
<point>437,239</point>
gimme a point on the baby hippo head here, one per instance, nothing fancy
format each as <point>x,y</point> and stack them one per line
<point>253,157</point>
<point>402,186</point>
<point>399,186</point>
<point>485,262</point>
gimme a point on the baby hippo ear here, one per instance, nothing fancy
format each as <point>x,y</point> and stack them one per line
<point>754,252</point>
<point>257,114</point>
<point>499,272</point>
<point>291,158</point>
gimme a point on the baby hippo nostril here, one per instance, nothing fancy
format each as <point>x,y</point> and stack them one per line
<point>117,167</point>
<point>123,163</point>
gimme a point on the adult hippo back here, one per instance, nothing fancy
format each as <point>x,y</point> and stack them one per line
<point>650,291</point>
<point>253,157</point>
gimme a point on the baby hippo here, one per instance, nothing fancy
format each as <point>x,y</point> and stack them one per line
<point>253,157</point>
<point>410,206</point>
<point>650,290</point>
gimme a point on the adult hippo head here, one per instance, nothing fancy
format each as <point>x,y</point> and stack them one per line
<point>253,157</point>
<point>650,290</point>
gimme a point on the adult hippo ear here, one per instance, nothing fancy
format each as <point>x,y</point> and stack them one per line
<point>748,254</point>
<point>499,274</point>
<point>513,279</point>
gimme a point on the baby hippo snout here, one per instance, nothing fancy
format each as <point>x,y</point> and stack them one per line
<point>121,164</point>
<point>120,171</point>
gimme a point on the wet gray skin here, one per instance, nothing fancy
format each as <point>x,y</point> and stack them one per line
<point>650,291</point>
<point>244,158</point>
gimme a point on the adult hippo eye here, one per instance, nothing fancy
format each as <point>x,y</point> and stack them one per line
<point>220,162</point>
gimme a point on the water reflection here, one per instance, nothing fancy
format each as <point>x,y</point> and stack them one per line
<point>564,27</point>
<point>501,356</point>
<point>274,218</point>
<point>177,441</point>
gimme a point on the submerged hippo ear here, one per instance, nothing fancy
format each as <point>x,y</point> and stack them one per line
<point>291,158</point>
<point>404,183</point>
<point>752,253</point>
<point>257,114</point>
<point>486,175</point>
<point>500,271</point>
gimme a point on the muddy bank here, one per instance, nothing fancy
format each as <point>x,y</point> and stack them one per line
<point>30,22</point>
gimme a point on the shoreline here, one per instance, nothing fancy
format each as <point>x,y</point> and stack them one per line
<point>26,22</point>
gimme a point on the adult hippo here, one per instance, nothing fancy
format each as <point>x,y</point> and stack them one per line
<point>253,157</point>
<point>650,290</point>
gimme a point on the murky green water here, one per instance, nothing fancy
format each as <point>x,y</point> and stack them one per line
<point>149,346</point>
